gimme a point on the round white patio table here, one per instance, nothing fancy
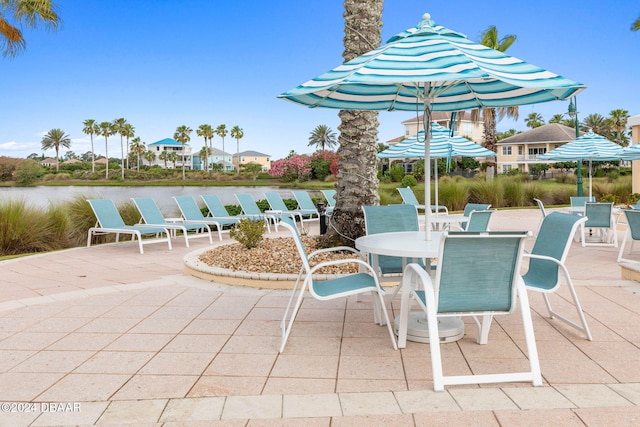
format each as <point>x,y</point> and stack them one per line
<point>439,220</point>
<point>411,244</point>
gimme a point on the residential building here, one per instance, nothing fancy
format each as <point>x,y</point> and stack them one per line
<point>464,126</point>
<point>171,145</point>
<point>217,157</point>
<point>248,157</point>
<point>522,150</point>
<point>48,162</point>
<point>634,123</point>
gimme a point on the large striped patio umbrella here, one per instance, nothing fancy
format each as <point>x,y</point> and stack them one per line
<point>432,68</point>
<point>589,146</point>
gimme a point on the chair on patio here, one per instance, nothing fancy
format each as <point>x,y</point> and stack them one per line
<point>386,219</point>
<point>109,221</point>
<point>469,285</point>
<point>217,209</point>
<point>192,214</point>
<point>547,269</point>
<point>632,232</point>
<point>279,207</point>
<point>470,207</point>
<point>543,211</point>
<point>600,219</point>
<point>352,284</point>
<point>305,202</point>
<point>330,195</point>
<point>251,210</point>
<point>410,198</point>
<point>478,220</point>
<point>152,215</point>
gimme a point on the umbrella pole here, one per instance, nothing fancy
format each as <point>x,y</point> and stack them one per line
<point>426,118</point>
<point>435,165</point>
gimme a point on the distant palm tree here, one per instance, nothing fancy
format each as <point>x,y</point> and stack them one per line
<point>238,134</point>
<point>556,118</point>
<point>56,138</point>
<point>597,123</point>
<point>203,154</point>
<point>206,131</point>
<point>322,137</point>
<point>534,120</point>
<point>91,128</point>
<point>221,131</point>
<point>618,120</point>
<point>25,13</point>
<point>491,116</point>
<point>128,131</point>
<point>182,135</point>
<point>635,25</point>
<point>106,130</point>
<point>173,157</point>
<point>138,148</point>
<point>118,127</point>
<point>150,156</point>
<point>164,156</point>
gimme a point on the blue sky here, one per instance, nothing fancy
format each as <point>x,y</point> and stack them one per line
<point>165,63</point>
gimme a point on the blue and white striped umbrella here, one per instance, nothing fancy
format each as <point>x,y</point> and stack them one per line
<point>432,68</point>
<point>589,146</point>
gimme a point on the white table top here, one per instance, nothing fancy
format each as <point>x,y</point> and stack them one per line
<point>406,244</point>
<point>448,218</point>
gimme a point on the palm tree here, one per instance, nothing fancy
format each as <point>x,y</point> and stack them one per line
<point>597,123</point>
<point>106,130</point>
<point>221,131</point>
<point>206,131</point>
<point>491,116</point>
<point>203,154</point>
<point>357,183</point>
<point>618,120</point>
<point>173,157</point>
<point>128,131</point>
<point>56,138</point>
<point>164,156</point>
<point>534,120</point>
<point>182,135</point>
<point>322,136</point>
<point>557,118</point>
<point>91,128</point>
<point>118,126</point>
<point>138,148</point>
<point>635,25</point>
<point>24,13</point>
<point>150,156</point>
<point>237,133</point>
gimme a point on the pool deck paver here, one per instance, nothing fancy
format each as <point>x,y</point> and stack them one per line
<point>105,335</point>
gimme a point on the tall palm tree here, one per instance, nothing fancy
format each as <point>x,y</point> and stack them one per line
<point>15,14</point>
<point>322,137</point>
<point>91,128</point>
<point>534,120</point>
<point>206,131</point>
<point>150,156</point>
<point>238,134</point>
<point>173,158</point>
<point>635,25</point>
<point>357,183</point>
<point>203,154</point>
<point>128,131</point>
<point>138,148</point>
<point>55,139</point>
<point>106,130</point>
<point>182,135</point>
<point>618,120</point>
<point>221,131</point>
<point>597,123</point>
<point>118,126</point>
<point>491,116</point>
<point>557,118</point>
<point>164,156</point>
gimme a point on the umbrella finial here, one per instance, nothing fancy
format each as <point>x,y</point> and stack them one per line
<point>426,16</point>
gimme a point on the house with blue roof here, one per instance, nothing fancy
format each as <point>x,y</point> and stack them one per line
<point>170,145</point>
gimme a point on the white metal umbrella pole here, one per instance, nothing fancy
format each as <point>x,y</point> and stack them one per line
<point>426,119</point>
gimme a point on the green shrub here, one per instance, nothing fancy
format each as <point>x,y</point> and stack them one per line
<point>633,198</point>
<point>396,172</point>
<point>409,181</point>
<point>28,172</point>
<point>610,198</point>
<point>248,232</point>
<point>453,193</point>
<point>23,229</point>
<point>514,193</point>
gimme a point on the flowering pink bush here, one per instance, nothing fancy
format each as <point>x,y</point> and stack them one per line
<point>293,167</point>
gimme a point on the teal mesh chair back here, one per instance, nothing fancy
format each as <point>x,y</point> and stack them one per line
<point>149,210</point>
<point>106,213</point>
<point>387,219</point>
<point>215,206</point>
<point>633,222</point>
<point>470,207</point>
<point>578,201</point>
<point>479,220</point>
<point>598,214</point>
<point>288,220</point>
<point>304,200</point>
<point>189,208</point>
<point>408,196</point>
<point>330,195</point>
<point>275,201</point>
<point>249,206</point>
<point>467,282</point>
<point>553,240</point>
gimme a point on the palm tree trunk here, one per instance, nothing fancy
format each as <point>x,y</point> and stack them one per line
<point>93,157</point>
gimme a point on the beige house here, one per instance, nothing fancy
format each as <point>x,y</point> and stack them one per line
<point>48,162</point>
<point>522,150</point>
<point>634,123</point>
<point>248,157</point>
<point>465,127</point>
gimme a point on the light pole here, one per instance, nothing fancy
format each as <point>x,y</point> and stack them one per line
<point>573,113</point>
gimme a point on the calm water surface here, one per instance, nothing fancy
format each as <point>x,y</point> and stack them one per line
<point>43,196</point>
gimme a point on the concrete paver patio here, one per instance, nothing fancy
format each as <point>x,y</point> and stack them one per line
<point>105,335</point>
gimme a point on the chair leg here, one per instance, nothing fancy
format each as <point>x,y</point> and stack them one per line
<point>287,325</point>
<point>527,323</point>
<point>483,328</point>
<point>386,319</point>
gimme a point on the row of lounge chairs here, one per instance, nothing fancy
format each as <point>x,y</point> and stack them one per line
<point>192,223</point>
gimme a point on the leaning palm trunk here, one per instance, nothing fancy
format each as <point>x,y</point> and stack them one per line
<point>357,183</point>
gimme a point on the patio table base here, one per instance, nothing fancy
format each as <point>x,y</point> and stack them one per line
<point>450,329</point>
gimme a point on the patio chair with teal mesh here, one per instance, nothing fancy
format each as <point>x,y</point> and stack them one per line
<point>191,213</point>
<point>109,221</point>
<point>469,285</point>
<point>547,270</point>
<point>152,215</point>
<point>470,207</point>
<point>633,233</point>
<point>600,220</point>
<point>330,195</point>
<point>251,210</point>
<point>305,202</point>
<point>365,281</point>
<point>410,198</point>
<point>217,209</point>
<point>279,207</point>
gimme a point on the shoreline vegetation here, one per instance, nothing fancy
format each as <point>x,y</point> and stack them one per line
<point>26,229</point>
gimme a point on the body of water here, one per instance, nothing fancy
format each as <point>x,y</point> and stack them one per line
<point>44,196</point>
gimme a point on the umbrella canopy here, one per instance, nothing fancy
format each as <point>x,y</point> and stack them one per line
<point>589,146</point>
<point>432,68</point>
